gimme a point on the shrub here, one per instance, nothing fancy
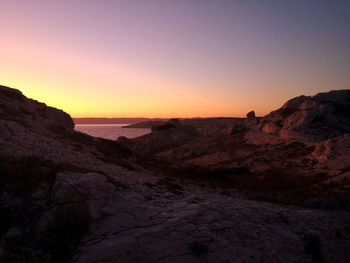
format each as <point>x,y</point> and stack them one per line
<point>65,231</point>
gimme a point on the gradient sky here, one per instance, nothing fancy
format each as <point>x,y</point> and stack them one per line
<point>173,58</point>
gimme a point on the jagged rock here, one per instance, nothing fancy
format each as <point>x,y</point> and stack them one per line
<point>91,188</point>
<point>334,152</point>
<point>251,120</point>
<point>14,106</point>
<point>105,212</point>
<point>316,118</point>
<point>251,115</point>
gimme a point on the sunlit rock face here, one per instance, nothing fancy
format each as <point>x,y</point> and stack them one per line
<point>333,153</point>
<point>316,118</point>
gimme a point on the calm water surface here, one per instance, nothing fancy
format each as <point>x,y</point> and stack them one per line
<point>110,131</point>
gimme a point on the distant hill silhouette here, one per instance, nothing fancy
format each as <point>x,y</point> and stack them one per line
<point>113,120</point>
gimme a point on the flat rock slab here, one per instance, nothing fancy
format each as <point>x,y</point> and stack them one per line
<point>215,228</point>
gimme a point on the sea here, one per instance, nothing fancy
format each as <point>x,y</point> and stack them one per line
<point>111,131</point>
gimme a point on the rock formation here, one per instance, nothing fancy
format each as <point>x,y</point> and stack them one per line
<point>69,197</point>
<point>251,115</point>
<point>314,118</point>
<point>309,134</point>
<point>251,121</point>
<point>16,107</point>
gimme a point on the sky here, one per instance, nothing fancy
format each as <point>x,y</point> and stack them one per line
<point>173,58</point>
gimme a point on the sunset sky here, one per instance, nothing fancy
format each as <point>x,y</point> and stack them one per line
<point>173,58</point>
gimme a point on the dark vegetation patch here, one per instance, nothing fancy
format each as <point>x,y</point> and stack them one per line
<point>107,150</point>
<point>276,185</point>
<point>112,148</point>
<point>114,152</point>
<point>312,247</point>
<point>64,231</point>
<point>199,248</point>
<point>20,207</point>
<point>163,127</point>
<point>289,187</point>
<point>22,175</point>
<point>80,137</point>
<point>221,177</point>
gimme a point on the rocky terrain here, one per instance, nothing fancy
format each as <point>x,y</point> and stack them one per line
<point>234,190</point>
<point>299,151</point>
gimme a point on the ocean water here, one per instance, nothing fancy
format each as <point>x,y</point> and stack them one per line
<point>111,131</point>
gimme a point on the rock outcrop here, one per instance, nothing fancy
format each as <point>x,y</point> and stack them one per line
<point>69,197</point>
<point>316,118</point>
<point>14,106</point>
<point>251,115</point>
<point>306,138</point>
<point>251,121</point>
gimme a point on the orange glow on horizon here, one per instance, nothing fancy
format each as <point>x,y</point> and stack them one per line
<point>94,89</point>
<point>170,59</point>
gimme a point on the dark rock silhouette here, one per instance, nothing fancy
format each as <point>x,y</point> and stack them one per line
<point>251,115</point>
<point>251,121</point>
<point>14,106</point>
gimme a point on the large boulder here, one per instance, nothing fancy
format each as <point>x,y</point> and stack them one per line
<point>251,115</point>
<point>316,118</point>
<point>90,188</point>
<point>251,120</point>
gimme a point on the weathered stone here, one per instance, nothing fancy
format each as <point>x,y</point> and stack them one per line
<point>251,115</point>
<point>316,118</point>
<point>119,215</point>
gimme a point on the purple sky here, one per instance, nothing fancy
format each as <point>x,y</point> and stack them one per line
<point>173,58</point>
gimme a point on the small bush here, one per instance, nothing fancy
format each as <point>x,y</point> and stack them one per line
<point>22,175</point>
<point>65,231</point>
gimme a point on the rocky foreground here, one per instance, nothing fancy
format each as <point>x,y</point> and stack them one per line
<point>188,192</point>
